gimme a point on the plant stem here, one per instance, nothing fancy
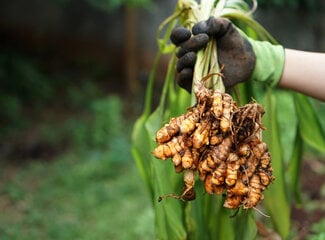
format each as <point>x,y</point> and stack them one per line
<point>207,59</point>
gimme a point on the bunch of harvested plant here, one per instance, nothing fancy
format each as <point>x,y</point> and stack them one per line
<point>222,143</point>
<point>293,112</point>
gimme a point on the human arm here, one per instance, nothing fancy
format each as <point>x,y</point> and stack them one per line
<point>304,72</point>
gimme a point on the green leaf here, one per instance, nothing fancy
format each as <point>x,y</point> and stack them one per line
<point>140,141</point>
<point>168,214</point>
<point>169,24</point>
<point>248,25</point>
<point>142,153</point>
<point>276,200</point>
<point>309,125</point>
<point>294,170</point>
<point>160,179</point>
<point>225,226</point>
<point>165,48</point>
<point>245,225</point>
<point>218,219</point>
<point>208,219</point>
<point>287,122</point>
<point>195,221</point>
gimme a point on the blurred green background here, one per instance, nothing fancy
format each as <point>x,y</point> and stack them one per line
<point>72,79</point>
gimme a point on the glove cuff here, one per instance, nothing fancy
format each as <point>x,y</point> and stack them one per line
<point>269,62</point>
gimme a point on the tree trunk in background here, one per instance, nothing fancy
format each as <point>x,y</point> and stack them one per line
<point>130,48</point>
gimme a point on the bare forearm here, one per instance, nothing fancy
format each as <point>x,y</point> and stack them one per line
<point>304,72</point>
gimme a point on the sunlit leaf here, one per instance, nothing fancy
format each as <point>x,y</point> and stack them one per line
<point>165,48</point>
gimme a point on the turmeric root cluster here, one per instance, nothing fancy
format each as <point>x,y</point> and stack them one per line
<point>222,143</point>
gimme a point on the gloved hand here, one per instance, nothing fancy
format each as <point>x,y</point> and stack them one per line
<point>242,57</point>
<point>187,54</point>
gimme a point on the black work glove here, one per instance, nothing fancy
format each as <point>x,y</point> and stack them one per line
<point>235,52</point>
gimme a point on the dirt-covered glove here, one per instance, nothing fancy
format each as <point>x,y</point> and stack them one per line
<point>242,57</point>
<point>187,54</point>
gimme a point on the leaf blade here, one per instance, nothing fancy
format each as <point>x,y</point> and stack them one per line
<point>276,195</point>
<point>309,125</point>
<point>294,170</point>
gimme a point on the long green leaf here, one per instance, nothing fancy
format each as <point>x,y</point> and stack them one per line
<point>276,200</point>
<point>309,125</point>
<point>195,220</point>
<point>142,153</point>
<point>168,214</point>
<point>248,24</point>
<point>294,170</point>
<point>225,226</point>
<point>245,225</point>
<point>287,122</point>
<point>140,145</point>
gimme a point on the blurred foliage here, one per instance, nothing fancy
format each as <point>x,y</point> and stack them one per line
<point>21,83</point>
<point>318,231</point>
<point>295,4</point>
<point>102,128</point>
<point>108,120</point>
<point>92,191</point>
<point>25,85</point>
<point>105,130</point>
<point>21,77</point>
<point>76,196</point>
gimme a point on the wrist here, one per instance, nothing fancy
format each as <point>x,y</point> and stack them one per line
<point>269,62</point>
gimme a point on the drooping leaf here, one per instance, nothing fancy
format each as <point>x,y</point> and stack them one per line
<point>245,225</point>
<point>158,175</point>
<point>169,213</point>
<point>195,220</point>
<point>247,24</point>
<point>309,125</point>
<point>294,170</point>
<point>225,225</point>
<point>140,141</point>
<point>142,153</point>
<point>276,199</point>
<point>287,122</point>
<point>165,48</point>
